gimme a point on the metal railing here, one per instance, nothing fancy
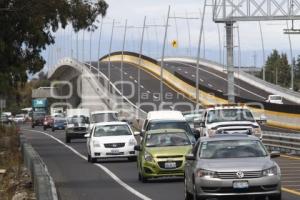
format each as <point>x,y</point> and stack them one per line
<point>283,142</point>
<point>44,187</point>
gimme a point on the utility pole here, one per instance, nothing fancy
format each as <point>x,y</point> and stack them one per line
<point>198,53</point>
<point>140,61</point>
<point>109,54</point>
<point>230,63</point>
<point>122,58</point>
<point>163,56</point>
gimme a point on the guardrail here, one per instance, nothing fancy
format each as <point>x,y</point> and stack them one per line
<point>44,187</point>
<point>283,142</point>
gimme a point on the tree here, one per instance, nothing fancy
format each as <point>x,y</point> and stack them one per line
<point>27,28</point>
<point>278,69</point>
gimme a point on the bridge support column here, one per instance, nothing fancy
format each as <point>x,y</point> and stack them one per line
<point>230,62</point>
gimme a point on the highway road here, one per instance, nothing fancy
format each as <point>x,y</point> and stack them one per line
<point>77,179</point>
<point>150,89</point>
<point>217,81</point>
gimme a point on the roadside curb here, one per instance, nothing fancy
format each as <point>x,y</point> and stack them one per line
<point>44,186</point>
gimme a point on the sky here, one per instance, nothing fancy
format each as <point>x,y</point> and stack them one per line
<point>180,30</point>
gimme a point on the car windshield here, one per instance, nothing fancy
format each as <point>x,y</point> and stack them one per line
<point>78,119</point>
<point>19,116</point>
<point>167,139</point>
<point>169,125</point>
<point>104,117</point>
<point>59,120</point>
<point>228,115</point>
<point>111,130</point>
<point>276,98</point>
<point>35,115</point>
<point>232,149</point>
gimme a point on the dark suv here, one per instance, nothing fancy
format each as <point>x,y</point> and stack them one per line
<point>38,119</point>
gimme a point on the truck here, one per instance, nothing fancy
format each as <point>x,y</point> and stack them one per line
<point>77,124</point>
<point>39,111</point>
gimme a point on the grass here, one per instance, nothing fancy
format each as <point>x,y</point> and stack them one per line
<point>11,161</point>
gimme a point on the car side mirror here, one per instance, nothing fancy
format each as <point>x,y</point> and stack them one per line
<point>262,120</point>
<point>196,134</point>
<point>136,133</point>
<point>275,154</point>
<point>137,148</point>
<point>190,156</point>
<point>87,135</point>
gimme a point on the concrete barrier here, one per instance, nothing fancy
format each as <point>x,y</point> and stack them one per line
<point>44,186</point>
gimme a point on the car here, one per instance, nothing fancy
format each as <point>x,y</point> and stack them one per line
<point>103,116</point>
<point>162,153</point>
<point>230,166</point>
<point>275,99</point>
<point>19,118</point>
<point>37,118</point>
<point>4,119</point>
<point>111,140</point>
<point>76,127</point>
<point>193,117</point>
<point>229,119</point>
<point>169,120</point>
<point>59,123</point>
<point>48,122</point>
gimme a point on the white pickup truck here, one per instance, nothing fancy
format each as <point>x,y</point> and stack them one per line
<point>229,120</point>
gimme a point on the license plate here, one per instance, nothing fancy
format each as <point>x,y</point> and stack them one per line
<point>240,184</point>
<point>170,165</point>
<point>115,151</point>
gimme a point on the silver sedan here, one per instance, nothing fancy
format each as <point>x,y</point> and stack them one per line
<point>231,165</point>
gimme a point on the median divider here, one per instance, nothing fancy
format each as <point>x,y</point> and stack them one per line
<point>44,187</point>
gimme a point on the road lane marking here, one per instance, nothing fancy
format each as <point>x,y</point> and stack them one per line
<point>210,85</point>
<point>290,157</point>
<point>142,86</point>
<point>186,72</point>
<point>105,169</point>
<point>290,191</point>
<point>193,75</point>
<point>135,81</point>
<point>201,80</point>
<point>125,73</point>
<point>130,77</point>
<point>220,91</point>
<point>179,69</point>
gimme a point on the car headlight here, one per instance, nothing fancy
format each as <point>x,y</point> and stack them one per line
<point>132,142</point>
<point>257,132</point>
<point>206,173</point>
<point>270,172</point>
<point>96,144</point>
<point>211,132</point>
<point>148,157</point>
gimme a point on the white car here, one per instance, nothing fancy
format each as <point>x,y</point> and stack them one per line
<point>276,99</point>
<point>19,118</point>
<point>229,120</point>
<point>111,140</point>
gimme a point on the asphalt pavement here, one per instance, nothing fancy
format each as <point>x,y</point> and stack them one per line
<point>77,179</point>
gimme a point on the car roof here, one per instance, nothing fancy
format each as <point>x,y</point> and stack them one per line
<point>159,131</point>
<point>227,107</point>
<point>103,112</point>
<point>110,123</point>
<point>223,137</point>
<point>165,115</point>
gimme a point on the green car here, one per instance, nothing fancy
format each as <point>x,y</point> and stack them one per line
<point>162,153</point>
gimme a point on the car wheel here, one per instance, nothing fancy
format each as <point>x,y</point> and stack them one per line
<point>132,158</point>
<point>89,158</point>
<point>68,140</point>
<point>275,197</point>
<point>32,126</point>
<point>142,178</point>
<point>187,195</point>
<point>53,129</point>
<point>93,160</point>
<point>45,128</point>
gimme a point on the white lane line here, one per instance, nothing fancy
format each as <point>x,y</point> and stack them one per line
<point>148,92</point>
<point>193,75</point>
<point>135,81</point>
<point>179,69</point>
<point>210,85</point>
<point>186,72</point>
<point>125,73</point>
<point>201,80</point>
<point>223,79</point>
<point>142,86</point>
<point>130,77</point>
<point>220,91</point>
<point>105,169</point>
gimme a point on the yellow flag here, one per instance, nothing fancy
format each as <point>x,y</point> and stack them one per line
<point>174,44</point>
